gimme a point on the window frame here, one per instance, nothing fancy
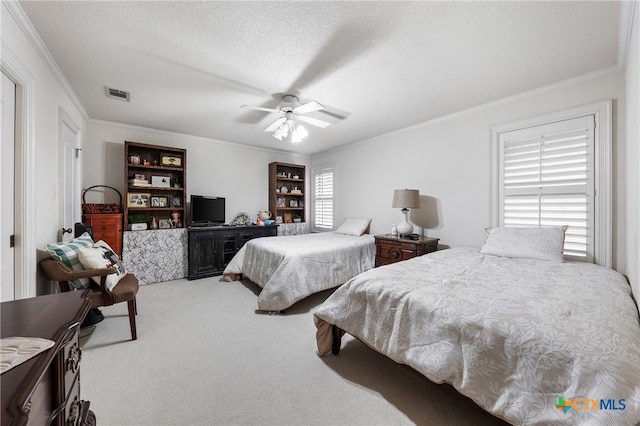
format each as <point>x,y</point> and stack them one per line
<point>327,168</point>
<point>603,142</point>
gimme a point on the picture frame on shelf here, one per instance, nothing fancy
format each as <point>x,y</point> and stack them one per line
<point>170,160</point>
<point>293,203</point>
<point>164,224</point>
<point>176,201</point>
<point>280,202</point>
<point>137,199</point>
<point>159,201</point>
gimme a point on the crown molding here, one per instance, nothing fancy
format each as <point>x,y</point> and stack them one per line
<point>627,11</point>
<point>302,157</point>
<point>16,11</point>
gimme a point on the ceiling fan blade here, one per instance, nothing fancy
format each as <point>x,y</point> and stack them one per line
<point>308,107</point>
<point>313,121</point>
<point>275,124</point>
<point>334,114</point>
<point>257,108</point>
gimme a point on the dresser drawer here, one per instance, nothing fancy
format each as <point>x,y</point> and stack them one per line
<point>71,357</point>
<point>109,220</point>
<point>391,249</point>
<point>104,221</point>
<point>103,234</point>
<point>41,402</point>
<point>396,252</point>
<point>76,410</point>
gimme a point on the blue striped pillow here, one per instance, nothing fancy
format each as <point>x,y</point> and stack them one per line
<point>67,252</point>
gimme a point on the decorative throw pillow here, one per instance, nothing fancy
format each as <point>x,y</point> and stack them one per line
<point>102,256</point>
<point>527,243</point>
<point>67,252</point>
<point>354,226</point>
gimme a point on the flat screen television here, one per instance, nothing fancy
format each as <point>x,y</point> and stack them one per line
<point>207,210</point>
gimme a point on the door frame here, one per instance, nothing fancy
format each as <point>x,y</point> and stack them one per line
<point>25,274</point>
<point>73,190</point>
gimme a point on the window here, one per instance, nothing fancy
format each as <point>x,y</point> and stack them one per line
<point>556,172</point>
<point>323,198</point>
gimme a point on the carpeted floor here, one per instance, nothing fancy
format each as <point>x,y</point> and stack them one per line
<point>205,356</point>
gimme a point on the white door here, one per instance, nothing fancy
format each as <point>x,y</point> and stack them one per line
<point>7,105</point>
<point>69,172</point>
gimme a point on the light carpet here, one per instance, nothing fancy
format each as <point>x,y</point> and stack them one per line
<point>206,356</point>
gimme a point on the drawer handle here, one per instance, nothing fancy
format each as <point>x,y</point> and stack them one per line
<point>75,355</point>
<point>74,413</point>
<point>395,254</point>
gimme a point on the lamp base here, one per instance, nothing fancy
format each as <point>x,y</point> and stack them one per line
<point>405,228</point>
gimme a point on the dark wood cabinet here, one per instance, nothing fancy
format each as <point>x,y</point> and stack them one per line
<point>46,388</point>
<point>392,248</point>
<point>287,192</point>
<point>156,182</point>
<point>212,248</point>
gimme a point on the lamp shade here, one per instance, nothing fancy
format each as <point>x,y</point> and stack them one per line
<point>406,199</point>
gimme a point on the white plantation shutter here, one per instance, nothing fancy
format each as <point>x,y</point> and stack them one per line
<point>323,198</point>
<point>547,179</point>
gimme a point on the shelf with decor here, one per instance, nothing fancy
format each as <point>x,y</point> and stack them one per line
<point>287,200</point>
<point>155,178</point>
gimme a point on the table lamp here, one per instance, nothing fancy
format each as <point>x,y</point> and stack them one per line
<point>406,199</point>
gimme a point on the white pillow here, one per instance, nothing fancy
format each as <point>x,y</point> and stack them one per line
<point>354,226</point>
<point>527,243</point>
<point>102,256</point>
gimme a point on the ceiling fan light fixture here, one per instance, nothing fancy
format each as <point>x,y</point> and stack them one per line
<point>281,132</point>
<point>290,110</point>
<point>301,132</point>
<point>289,127</point>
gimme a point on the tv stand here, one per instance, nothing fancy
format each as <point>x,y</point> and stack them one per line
<point>206,225</point>
<point>211,248</point>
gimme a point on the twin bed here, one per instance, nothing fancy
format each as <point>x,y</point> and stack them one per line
<point>290,268</point>
<point>530,338</point>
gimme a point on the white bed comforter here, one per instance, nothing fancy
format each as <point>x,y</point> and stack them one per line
<point>513,335</point>
<point>290,268</point>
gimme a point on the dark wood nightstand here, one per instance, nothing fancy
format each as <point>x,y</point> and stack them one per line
<point>392,248</point>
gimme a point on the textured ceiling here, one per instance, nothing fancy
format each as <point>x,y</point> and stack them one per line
<point>382,66</point>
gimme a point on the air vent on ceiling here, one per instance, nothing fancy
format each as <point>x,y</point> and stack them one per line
<point>117,94</point>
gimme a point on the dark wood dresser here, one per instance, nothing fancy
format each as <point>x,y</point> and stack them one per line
<point>212,248</point>
<point>45,390</point>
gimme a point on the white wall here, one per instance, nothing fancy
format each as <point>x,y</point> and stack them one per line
<point>49,96</point>
<point>632,88</point>
<point>215,168</point>
<point>449,160</point>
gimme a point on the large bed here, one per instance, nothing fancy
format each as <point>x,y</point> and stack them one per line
<point>290,268</point>
<point>531,341</point>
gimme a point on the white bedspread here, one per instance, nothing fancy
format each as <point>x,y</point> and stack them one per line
<point>290,268</point>
<point>513,335</point>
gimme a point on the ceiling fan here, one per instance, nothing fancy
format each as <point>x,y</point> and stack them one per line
<point>290,111</point>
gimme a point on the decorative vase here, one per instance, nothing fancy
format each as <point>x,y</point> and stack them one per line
<point>154,224</point>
